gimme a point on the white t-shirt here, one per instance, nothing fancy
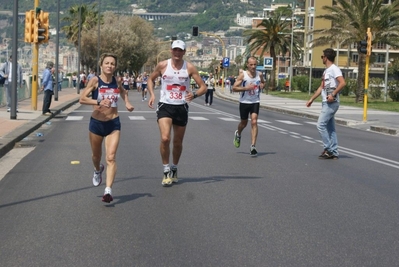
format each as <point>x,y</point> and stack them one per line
<point>330,76</point>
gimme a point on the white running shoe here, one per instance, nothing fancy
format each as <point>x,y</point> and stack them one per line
<point>97,177</point>
<point>107,195</point>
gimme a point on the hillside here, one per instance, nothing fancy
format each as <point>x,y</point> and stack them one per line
<point>212,15</point>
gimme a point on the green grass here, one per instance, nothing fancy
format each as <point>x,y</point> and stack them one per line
<point>378,104</point>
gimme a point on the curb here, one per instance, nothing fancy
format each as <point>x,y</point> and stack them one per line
<point>344,122</point>
<point>8,141</point>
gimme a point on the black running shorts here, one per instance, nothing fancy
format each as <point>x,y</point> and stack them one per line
<point>178,113</point>
<point>104,128</point>
<point>246,109</point>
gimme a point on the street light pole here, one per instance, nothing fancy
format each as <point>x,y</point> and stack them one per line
<point>386,69</point>
<point>292,43</point>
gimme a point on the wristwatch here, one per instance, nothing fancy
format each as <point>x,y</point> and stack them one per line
<point>195,95</point>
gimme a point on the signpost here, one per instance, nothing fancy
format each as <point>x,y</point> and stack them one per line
<point>268,63</point>
<point>226,62</point>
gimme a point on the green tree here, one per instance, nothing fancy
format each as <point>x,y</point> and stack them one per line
<point>130,38</point>
<point>349,23</point>
<point>273,35</point>
<point>86,15</point>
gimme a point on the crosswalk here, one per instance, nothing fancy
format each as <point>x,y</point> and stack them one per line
<point>201,118</point>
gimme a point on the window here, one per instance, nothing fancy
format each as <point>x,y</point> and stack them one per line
<point>355,58</point>
<point>380,58</point>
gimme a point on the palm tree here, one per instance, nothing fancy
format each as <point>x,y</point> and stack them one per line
<point>274,36</point>
<point>350,21</point>
<point>88,19</point>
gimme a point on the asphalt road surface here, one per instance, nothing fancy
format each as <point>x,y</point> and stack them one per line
<point>283,208</point>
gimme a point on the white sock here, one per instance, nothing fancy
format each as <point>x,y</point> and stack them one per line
<point>166,168</point>
<point>108,190</point>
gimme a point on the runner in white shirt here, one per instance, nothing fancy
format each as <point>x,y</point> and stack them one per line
<point>172,109</point>
<point>249,84</point>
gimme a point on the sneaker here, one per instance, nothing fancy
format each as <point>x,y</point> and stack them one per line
<point>253,151</point>
<point>8,110</point>
<point>237,139</point>
<point>173,175</point>
<point>107,195</point>
<point>322,153</point>
<point>166,181</point>
<point>97,177</point>
<point>326,155</point>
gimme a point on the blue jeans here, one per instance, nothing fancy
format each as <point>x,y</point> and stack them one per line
<point>326,127</point>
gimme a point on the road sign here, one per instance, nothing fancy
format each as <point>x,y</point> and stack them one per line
<point>226,62</point>
<point>268,62</point>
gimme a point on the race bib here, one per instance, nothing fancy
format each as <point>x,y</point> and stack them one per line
<point>112,94</point>
<point>176,92</point>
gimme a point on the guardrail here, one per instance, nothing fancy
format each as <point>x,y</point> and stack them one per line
<point>24,92</point>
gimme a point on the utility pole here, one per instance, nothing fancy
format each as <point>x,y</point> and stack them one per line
<point>35,68</point>
<point>292,44</point>
<point>14,75</point>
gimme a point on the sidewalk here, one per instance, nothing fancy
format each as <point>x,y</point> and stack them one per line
<point>378,121</point>
<point>28,120</point>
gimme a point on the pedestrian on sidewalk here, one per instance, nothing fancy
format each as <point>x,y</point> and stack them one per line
<point>74,80</point>
<point>332,83</point>
<point>172,109</point>
<point>47,87</point>
<point>60,78</point>
<point>105,91</point>
<point>210,84</point>
<point>6,72</point>
<point>249,84</point>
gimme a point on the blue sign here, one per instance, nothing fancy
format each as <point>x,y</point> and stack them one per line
<point>268,62</point>
<point>226,62</point>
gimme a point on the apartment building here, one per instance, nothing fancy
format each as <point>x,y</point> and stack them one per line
<point>305,20</point>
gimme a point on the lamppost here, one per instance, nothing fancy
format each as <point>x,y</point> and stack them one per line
<point>386,69</point>
<point>292,43</point>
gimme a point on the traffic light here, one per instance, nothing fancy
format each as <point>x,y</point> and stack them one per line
<point>369,47</point>
<point>195,30</point>
<point>362,47</point>
<point>221,65</point>
<point>29,24</point>
<point>41,28</point>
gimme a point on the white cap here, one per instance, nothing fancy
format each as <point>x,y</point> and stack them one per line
<point>179,44</point>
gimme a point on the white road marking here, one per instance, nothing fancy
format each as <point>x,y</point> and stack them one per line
<point>199,118</point>
<point>12,158</point>
<point>289,122</point>
<point>74,118</point>
<point>136,118</point>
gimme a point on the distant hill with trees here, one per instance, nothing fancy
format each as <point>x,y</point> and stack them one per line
<point>212,15</point>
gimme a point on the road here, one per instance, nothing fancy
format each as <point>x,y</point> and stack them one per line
<point>283,208</point>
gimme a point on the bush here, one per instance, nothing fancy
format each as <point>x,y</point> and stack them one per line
<point>350,87</point>
<point>375,88</point>
<point>393,90</point>
<point>301,83</point>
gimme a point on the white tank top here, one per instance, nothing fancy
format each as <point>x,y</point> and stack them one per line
<point>175,85</point>
<point>250,96</point>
